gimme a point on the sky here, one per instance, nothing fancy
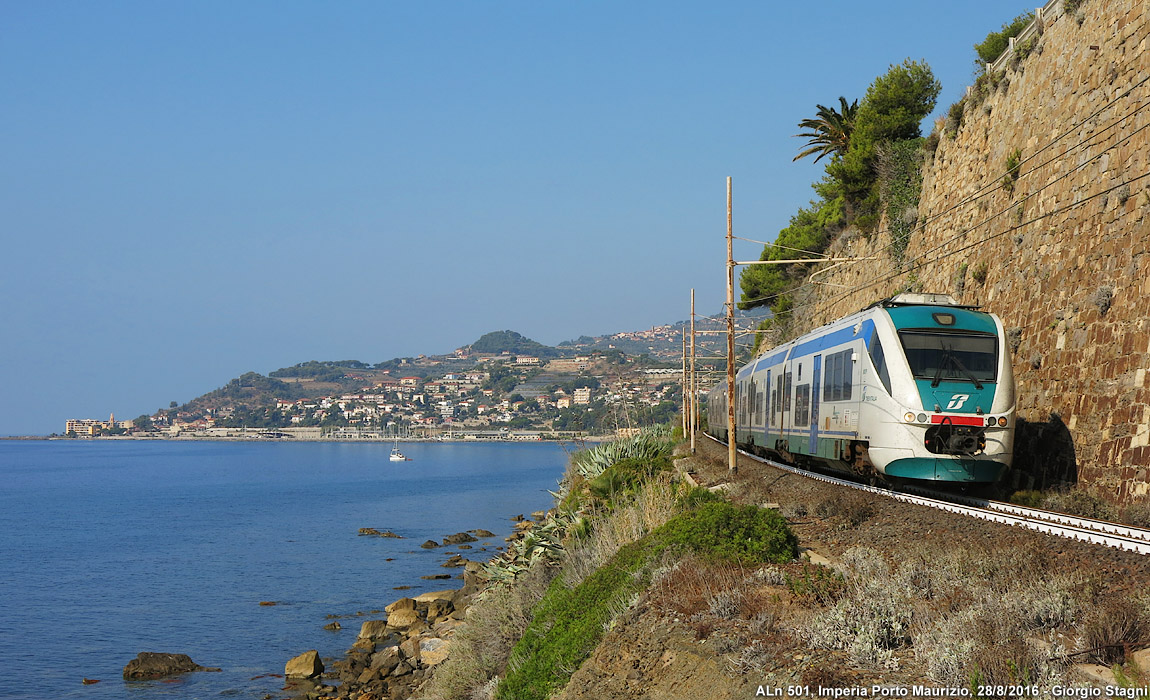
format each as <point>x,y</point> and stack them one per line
<point>190,191</point>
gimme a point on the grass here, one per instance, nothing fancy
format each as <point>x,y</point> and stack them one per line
<point>571,618</point>
<point>568,623</point>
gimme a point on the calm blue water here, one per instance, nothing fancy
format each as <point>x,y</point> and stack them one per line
<point>108,549</point>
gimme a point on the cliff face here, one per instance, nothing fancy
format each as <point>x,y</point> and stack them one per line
<point>1060,252</point>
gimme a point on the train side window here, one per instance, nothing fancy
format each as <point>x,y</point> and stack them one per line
<point>786,392</point>
<point>803,404</point>
<point>839,377</point>
<point>878,359</point>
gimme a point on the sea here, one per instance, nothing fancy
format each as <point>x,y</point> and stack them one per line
<point>110,548</point>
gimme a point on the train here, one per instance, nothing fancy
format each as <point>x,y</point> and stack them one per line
<point>915,388</point>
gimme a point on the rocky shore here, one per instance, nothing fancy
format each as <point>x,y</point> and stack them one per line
<point>393,657</point>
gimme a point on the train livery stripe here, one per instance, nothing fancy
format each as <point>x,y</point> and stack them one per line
<point>823,342</point>
<point>957,420</point>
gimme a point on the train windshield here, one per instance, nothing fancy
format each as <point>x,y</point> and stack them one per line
<point>951,357</point>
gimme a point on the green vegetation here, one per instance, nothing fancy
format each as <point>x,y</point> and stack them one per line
<point>627,475</point>
<point>743,534</point>
<point>320,371</point>
<point>570,620</point>
<point>990,48</point>
<point>900,182</point>
<point>511,342</point>
<point>830,131</point>
<point>568,623</point>
<point>875,155</point>
<point>892,110</point>
<point>810,232</point>
<point>981,269</point>
<point>1013,167</point>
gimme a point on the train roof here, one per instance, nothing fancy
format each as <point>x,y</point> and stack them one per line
<point>920,299</point>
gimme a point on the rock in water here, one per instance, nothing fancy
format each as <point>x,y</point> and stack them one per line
<point>306,665</point>
<point>457,538</point>
<point>149,665</point>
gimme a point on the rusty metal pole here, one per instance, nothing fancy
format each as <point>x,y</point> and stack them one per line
<point>732,455</point>
<point>693,380</point>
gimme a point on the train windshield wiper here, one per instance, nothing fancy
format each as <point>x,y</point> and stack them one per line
<point>948,357</point>
<point>962,368</point>
<point>941,364</point>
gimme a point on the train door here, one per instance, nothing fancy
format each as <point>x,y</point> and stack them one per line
<point>816,383</point>
<point>768,393</point>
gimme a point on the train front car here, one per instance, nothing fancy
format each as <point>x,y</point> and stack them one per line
<point>948,412</point>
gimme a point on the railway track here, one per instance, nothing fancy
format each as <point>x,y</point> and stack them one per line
<point>1124,537</point>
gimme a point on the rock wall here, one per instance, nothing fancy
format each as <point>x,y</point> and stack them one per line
<point>1060,252</point>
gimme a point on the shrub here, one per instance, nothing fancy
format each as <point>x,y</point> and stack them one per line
<point>1013,165</point>
<point>954,117</point>
<point>1028,499</point>
<point>1102,298</point>
<point>1080,502</point>
<point>745,534</point>
<point>568,623</point>
<point>1112,629</point>
<point>995,43</point>
<point>815,584</point>
<point>978,274</point>
<point>625,475</point>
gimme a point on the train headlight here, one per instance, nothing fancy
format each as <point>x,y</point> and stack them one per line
<point>990,421</point>
<point>909,417</point>
<point>922,418</point>
<point>1002,422</point>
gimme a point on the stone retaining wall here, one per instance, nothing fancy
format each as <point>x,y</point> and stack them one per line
<point>1062,255</point>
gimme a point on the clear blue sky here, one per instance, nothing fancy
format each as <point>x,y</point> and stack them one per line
<point>190,191</point>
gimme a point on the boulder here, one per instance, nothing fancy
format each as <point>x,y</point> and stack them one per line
<point>449,594</point>
<point>483,534</point>
<point>401,604</point>
<point>149,665</point>
<point>430,544</point>
<point>410,651</point>
<point>458,538</point>
<point>439,608</point>
<point>386,660</point>
<point>373,629</point>
<point>454,561</point>
<point>433,651</point>
<point>306,665</point>
<point>403,619</point>
<point>333,626</point>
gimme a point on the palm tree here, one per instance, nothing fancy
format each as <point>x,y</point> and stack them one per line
<point>830,131</point>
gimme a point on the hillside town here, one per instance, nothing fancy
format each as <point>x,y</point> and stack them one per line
<point>465,395</point>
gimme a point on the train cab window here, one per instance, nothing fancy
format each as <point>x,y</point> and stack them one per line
<point>951,357</point>
<point>878,359</point>
<point>803,404</point>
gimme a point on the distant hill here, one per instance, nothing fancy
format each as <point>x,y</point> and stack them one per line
<point>498,342</point>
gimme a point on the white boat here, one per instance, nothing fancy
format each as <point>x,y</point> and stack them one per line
<point>396,455</point>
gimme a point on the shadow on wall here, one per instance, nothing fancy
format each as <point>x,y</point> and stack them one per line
<point>1043,455</point>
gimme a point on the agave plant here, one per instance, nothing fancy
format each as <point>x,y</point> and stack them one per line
<point>649,443</point>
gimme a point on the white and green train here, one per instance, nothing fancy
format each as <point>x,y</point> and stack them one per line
<point>915,387</point>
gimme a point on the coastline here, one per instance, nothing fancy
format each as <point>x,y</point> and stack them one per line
<point>395,656</point>
<point>257,437</point>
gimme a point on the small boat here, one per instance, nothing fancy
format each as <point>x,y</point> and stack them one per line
<point>396,455</point>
